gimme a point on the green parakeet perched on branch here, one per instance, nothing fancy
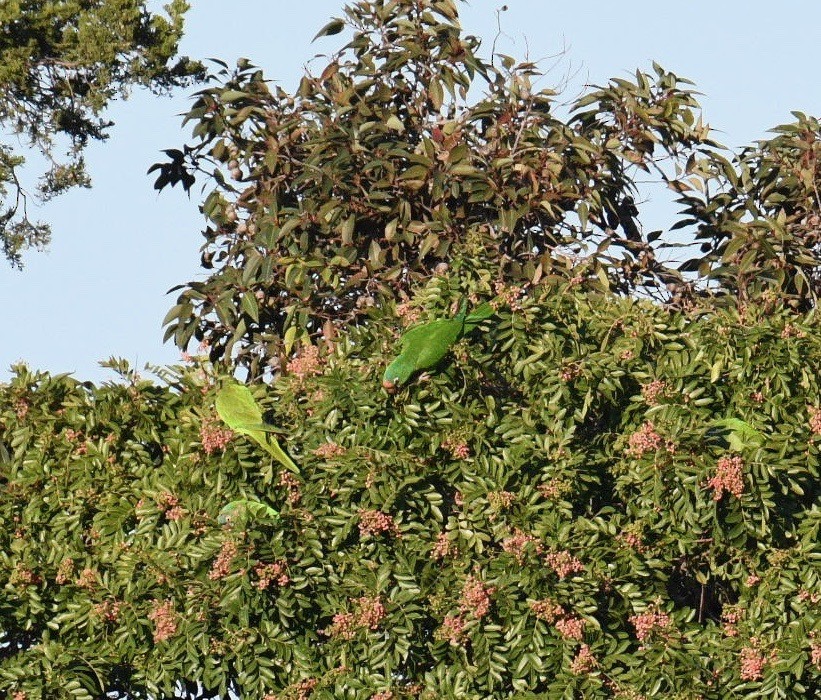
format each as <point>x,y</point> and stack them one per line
<point>425,346</point>
<point>240,412</point>
<point>243,509</point>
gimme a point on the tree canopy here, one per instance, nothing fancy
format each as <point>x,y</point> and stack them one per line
<point>61,63</point>
<point>410,148</point>
<point>609,487</point>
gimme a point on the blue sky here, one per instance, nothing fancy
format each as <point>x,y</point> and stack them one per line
<point>117,248</point>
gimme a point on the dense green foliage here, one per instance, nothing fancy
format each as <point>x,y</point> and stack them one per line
<point>61,63</point>
<point>408,148</point>
<point>594,495</point>
<point>551,515</point>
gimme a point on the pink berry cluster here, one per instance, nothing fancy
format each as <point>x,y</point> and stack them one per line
<point>752,662</point>
<point>214,437</point>
<point>563,563</point>
<point>65,571</point>
<point>300,691</point>
<point>329,450</point>
<point>87,579</point>
<point>291,483</point>
<point>653,391</point>
<point>375,522</point>
<point>500,500</point>
<point>443,547</point>
<point>369,611</point>
<point>649,622</point>
<point>383,695</point>
<point>271,573</point>
<point>476,597</point>
<point>453,630</point>
<point>108,610</point>
<point>520,543</point>
<point>457,447</point>
<point>731,615</point>
<point>222,564</point>
<point>729,477</point>
<point>553,488</point>
<point>644,440</point>
<point>306,364</point>
<point>815,420</point>
<point>170,505</point>
<point>165,620</point>
<point>569,626</point>
<point>583,662</point>
<point>547,610</point>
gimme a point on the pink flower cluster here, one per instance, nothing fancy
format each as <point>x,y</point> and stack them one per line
<point>214,437</point>
<point>476,597</point>
<point>518,544</point>
<point>222,564</point>
<point>584,662</point>
<point>306,363</point>
<point>329,450</point>
<point>815,420</point>
<point>170,505</point>
<point>271,573</point>
<point>452,630</point>
<point>108,610</point>
<point>563,563</point>
<point>644,440</point>
<point>652,391</point>
<point>375,522</point>
<point>164,619</point>
<point>649,622</point>
<point>369,612</point>
<point>752,662</point>
<point>443,547</point>
<point>728,477</point>
<point>571,627</point>
<point>290,482</point>
<point>457,447</point>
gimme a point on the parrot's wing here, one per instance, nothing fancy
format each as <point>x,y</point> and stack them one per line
<point>429,348</point>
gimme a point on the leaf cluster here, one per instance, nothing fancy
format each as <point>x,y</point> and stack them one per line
<point>60,66</point>
<point>405,150</point>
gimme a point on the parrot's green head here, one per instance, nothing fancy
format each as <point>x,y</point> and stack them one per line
<point>397,373</point>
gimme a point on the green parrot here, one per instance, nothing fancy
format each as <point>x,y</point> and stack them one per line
<point>735,433</point>
<point>240,510</point>
<point>240,412</point>
<point>425,346</point>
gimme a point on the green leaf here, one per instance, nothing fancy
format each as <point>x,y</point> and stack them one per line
<point>335,26</point>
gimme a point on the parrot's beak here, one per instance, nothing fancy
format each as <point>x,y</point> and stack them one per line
<point>389,386</point>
